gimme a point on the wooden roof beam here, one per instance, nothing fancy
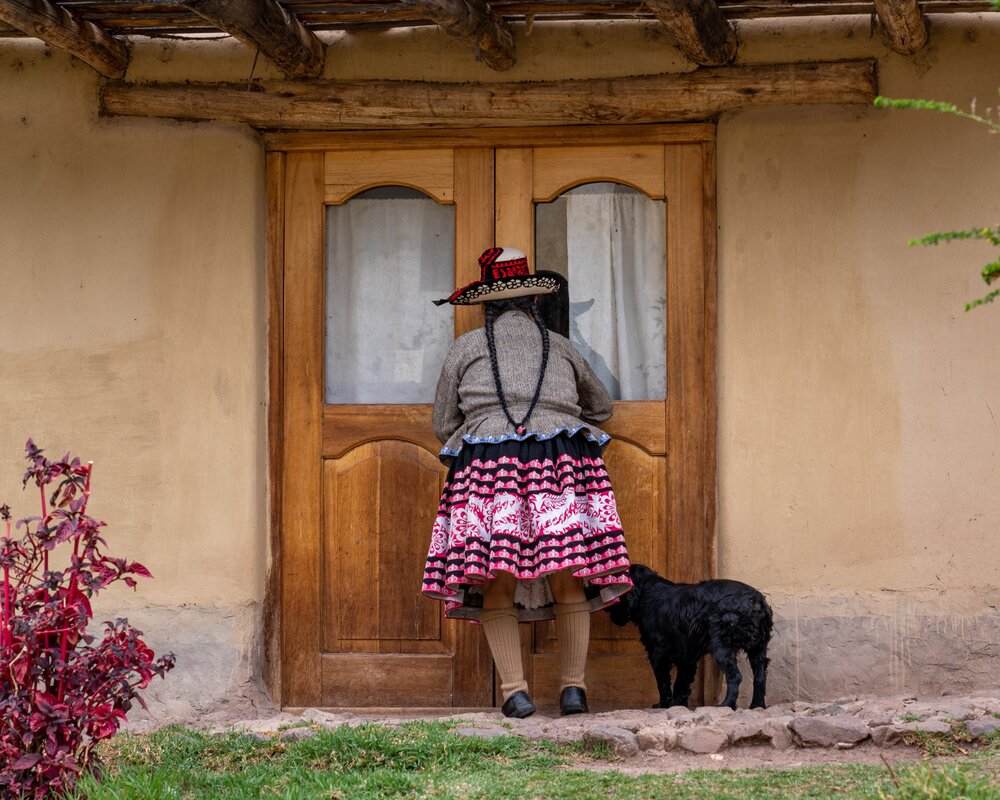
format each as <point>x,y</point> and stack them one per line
<point>54,25</point>
<point>359,105</point>
<point>698,29</point>
<point>264,24</point>
<point>476,24</point>
<point>904,24</point>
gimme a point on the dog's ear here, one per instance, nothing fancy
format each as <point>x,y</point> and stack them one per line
<point>629,605</point>
<point>621,612</point>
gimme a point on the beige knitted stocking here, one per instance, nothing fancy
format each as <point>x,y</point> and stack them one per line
<point>500,627</point>
<point>573,631</point>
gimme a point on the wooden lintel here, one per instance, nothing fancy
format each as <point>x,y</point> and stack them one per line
<point>56,26</point>
<point>698,95</point>
<point>476,24</point>
<point>904,24</point>
<point>698,29</point>
<point>281,37</point>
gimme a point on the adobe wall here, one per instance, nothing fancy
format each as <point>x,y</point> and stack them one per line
<point>132,333</point>
<point>857,439</point>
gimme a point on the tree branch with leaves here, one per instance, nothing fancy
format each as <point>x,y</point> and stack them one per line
<point>991,272</point>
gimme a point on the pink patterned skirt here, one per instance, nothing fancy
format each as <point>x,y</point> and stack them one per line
<point>529,508</point>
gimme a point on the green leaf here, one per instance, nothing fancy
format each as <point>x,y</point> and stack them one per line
<point>989,298</point>
<point>992,235</point>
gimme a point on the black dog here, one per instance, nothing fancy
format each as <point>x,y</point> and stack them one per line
<point>681,622</point>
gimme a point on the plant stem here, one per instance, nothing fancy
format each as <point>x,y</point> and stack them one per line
<point>45,514</point>
<point>6,632</point>
<point>86,488</point>
<point>71,595</point>
<point>5,628</point>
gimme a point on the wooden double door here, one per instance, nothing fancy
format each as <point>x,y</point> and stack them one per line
<point>355,481</point>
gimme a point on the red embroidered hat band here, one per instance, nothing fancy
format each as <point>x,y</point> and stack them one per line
<point>504,273</point>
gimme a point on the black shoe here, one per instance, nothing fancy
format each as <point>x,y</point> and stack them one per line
<point>518,705</point>
<point>573,700</point>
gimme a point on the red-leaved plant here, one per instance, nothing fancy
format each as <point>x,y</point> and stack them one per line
<point>62,688</point>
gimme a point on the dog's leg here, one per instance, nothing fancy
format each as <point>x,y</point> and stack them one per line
<point>758,663</point>
<point>661,669</point>
<point>683,681</point>
<point>729,667</point>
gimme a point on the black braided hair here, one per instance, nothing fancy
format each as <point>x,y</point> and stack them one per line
<point>493,311</point>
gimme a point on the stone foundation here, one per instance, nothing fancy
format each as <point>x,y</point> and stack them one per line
<point>823,648</point>
<point>882,643</point>
<point>218,651</point>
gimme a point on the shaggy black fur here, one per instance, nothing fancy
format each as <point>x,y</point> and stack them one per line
<point>681,622</point>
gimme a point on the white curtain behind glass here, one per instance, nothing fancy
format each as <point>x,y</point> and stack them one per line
<point>387,259</point>
<point>615,252</point>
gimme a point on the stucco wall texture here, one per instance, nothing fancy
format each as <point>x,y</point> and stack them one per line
<point>857,401</point>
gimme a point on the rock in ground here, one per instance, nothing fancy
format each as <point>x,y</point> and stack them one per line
<point>776,729</point>
<point>661,737</point>
<point>623,743</point>
<point>828,731</point>
<point>923,726</point>
<point>978,728</point>
<point>885,735</point>
<point>747,731</point>
<point>702,739</point>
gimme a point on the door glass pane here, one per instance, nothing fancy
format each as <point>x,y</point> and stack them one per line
<point>609,240</point>
<point>390,251</point>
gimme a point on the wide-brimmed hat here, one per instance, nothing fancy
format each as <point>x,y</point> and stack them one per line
<point>504,273</point>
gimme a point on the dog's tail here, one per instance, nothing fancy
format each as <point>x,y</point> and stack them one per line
<point>765,619</point>
<point>746,618</point>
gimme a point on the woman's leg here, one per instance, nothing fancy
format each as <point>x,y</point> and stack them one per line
<point>565,588</point>
<point>499,593</point>
<point>499,621</point>
<point>572,627</point>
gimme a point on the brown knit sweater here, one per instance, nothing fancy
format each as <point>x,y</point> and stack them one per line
<point>466,407</point>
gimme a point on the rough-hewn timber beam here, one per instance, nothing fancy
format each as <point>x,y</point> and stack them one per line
<point>698,29</point>
<point>904,24</point>
<point>697,95</point>
<point>476,24</point>
<point>45,20</point>
<point>293,48</point>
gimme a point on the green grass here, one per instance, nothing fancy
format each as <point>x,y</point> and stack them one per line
<point>949,781</point>
<point>426,760</point>
<point>955,742</point>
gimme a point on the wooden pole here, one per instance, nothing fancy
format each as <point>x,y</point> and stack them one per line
<point>476,24</point>
<point>698,29</point>
<point>697,95</point>
<point>904,24</point>
<point>264,24</point>
<point>56,26</point>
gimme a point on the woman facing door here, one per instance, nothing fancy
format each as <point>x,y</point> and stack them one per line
<point>527,527</point>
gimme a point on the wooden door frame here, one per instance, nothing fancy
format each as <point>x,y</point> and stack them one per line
<point>295,197</point>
